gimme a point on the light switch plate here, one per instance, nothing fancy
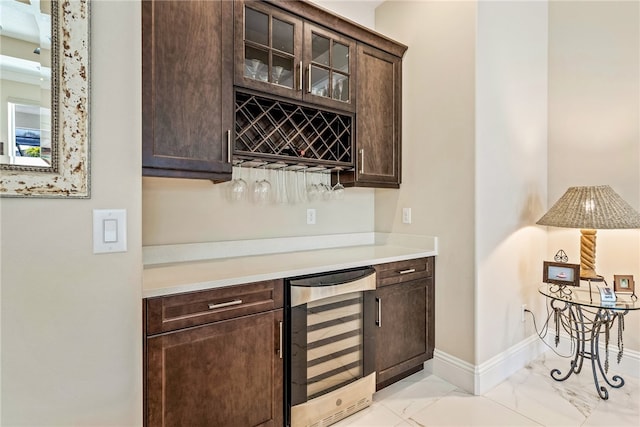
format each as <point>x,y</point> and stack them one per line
<point>406,215</point>
<point>311,216</point>
<point>109,230</point>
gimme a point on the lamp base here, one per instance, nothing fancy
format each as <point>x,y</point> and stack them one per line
<point>588,256</point>
<point>590,275</point>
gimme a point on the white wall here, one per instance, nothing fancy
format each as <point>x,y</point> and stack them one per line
<point>594,124</point>
<point>511,165</point>
<point>71,320</point>
<point>438,168</point>
<point>359,11</point>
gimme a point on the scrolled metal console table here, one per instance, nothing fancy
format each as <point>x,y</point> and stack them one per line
<point>585,318</point>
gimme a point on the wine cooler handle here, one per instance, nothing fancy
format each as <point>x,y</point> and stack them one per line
<point>379,319</point>
<point>362,160</point>
<point>280,347</point>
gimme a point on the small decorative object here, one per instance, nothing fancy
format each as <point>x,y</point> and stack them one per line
<point>607,295</point>
<point>624,284</point>
<point>561,273</point>
<point>561,256</point>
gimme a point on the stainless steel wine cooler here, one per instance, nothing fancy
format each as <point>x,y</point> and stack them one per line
<point>330,370</point>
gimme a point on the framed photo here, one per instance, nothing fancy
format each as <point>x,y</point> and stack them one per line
<point>623,284</point>
<point>560,273</point>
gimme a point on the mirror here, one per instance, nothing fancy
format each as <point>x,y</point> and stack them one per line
<point>44,101</point>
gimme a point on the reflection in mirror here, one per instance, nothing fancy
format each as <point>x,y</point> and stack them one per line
<point>44,98</point>
<point>25,61</point>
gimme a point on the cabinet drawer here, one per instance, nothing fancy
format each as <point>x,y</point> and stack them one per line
<point>402,271</point>
<point>173,312</point>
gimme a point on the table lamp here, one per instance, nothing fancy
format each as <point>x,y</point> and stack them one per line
<point>590,208</point>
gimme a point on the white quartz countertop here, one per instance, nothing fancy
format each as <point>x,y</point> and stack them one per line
<point>167,278</point>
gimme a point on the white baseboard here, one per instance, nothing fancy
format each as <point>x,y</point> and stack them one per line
<point>479,379</point>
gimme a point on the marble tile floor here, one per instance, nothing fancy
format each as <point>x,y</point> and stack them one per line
<point>530,397</point>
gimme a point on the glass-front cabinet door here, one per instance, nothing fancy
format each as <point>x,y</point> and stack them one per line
<point>280,54</point>
<point>268,49</point>
<point>329,68</point>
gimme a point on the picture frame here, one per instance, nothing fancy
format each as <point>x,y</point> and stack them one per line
<point>623,284</point>
<point>561,273</point>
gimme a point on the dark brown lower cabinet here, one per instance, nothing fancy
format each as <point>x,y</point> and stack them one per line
<point>404,338</point>
<point>226,373</point>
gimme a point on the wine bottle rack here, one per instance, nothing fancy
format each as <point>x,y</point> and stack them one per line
<point>276,131</point>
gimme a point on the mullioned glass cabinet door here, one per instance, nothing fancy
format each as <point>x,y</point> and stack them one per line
<point>268,50</point>
<point>329,61</point>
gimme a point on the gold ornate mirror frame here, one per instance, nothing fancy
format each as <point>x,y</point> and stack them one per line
<point>68,175</point>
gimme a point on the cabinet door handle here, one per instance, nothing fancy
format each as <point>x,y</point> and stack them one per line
<point>225,304</point>
<point>300,77</point>
<point>229,146</point>
<point>309,81</point>
<point>379,319</point>
<point>362,160</point>
<point>280,347</point>
<point>410,270</point>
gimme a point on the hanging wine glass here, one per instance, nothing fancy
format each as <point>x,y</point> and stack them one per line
<point>324,189</point>
<point>312,190</point>
<point>262,189</point>
<point>238,191</point>
<point>338,189</point>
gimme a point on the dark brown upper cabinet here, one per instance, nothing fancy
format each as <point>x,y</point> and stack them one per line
<point>378,120</point>
<point>187,88</point>
<point>282,54</point>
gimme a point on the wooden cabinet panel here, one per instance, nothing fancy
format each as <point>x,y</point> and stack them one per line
<point>197,308</point>
<point>401,339</point>
<point>187,84</point>
<point>403,271</point>
<point>405,336</point>
<point>378,120</point>
<point>226,373</point>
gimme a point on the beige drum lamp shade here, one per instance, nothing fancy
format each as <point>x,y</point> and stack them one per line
<point>590,208</point>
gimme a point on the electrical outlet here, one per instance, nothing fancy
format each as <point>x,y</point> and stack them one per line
<point>523,312</point>
<point>311,216</point>
<point>406,215</point>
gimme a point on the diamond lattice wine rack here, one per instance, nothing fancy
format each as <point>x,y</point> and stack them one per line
<point>269,130</point>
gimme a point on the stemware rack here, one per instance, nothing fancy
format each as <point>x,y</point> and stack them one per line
<point>272,131</point>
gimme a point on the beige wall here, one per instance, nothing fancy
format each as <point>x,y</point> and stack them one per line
<point>438,153</point>
<point>71,320</point>
<point>191,211</point>
<point>594,124</point>
<point>511,164</point>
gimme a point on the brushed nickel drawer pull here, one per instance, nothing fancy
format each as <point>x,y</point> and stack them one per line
<point>379,319</point>
<point>228,146</point>
<point>309,82</point>
<point>225,304</point>
<point>362,160</point>
<point>301,76</point>
<point>410,270</point>
<point>280,348</point>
